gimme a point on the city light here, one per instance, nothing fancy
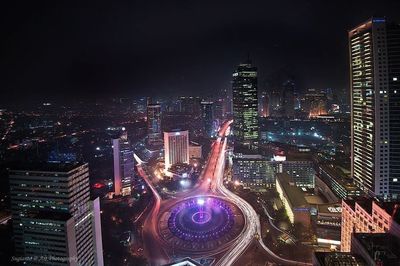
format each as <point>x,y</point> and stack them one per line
<point>200,201</point>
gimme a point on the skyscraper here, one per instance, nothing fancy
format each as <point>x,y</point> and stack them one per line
<point>176,147</point>
<point>207,115</point>
<point>124,165</point>
<point>375,106</point>
<point>54,219</point>
<point>288,98</point>
<point>154,123</point>
<point>264,104</point>
<point>245,106</point>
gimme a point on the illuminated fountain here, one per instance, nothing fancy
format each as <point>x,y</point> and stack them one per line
<point>201,223</point>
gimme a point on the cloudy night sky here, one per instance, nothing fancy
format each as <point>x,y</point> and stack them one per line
<point>57,48</point>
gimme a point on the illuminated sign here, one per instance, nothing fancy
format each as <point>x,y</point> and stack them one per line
<point>279,158</point>
<point>335,209</point>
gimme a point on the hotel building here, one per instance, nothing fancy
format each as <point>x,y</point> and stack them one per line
<point>176,147</point>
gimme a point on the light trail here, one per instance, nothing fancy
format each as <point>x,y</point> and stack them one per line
<point>252,225</point>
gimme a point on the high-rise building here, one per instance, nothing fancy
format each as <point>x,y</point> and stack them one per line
<point>288,98</point>
<point>368,216</point>
<point>218,108</point>
<point>207,115</point>
<point>154,123</point>
<point>245,106</point>
<point>54,220</point>
<point>124,165</point>
<point>227,102</point>
<point>264,104</point>
<point>375,110</point>
<point>176,147</point>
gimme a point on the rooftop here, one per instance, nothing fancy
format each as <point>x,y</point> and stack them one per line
<point>294,194</point>
<point>340,177</point>
<point>383,247</point>
<point>338,259</point>
<point>392,208</point>
<point>44,166</point>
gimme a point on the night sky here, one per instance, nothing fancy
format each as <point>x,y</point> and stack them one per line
<point>56,48</point>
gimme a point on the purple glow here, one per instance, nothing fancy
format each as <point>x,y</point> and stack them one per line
<point>201,217</point>
<point>200,202</point>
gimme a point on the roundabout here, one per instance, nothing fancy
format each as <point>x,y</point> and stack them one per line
<point>199,224</point>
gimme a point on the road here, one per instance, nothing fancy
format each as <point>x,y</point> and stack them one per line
<point>210,183</point>
<point>156,256</point>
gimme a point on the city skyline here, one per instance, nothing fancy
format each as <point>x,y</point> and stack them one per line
<point>283,164</point>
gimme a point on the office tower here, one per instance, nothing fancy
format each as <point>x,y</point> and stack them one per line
<point>375,109</point>
<point>368,216</point>
<point>124,165</point>
<point>288,97</point>
<point>227,101</point>
<point>190,105</point>
<point>245,106</point>
<point>218,108</point>
<point>176,147</point>
<point>154,123</point>
<point>207,115</point>
<point>53,215</point>
<point>264,101</point>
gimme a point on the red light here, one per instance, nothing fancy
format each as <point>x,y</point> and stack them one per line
<point>98,185</point>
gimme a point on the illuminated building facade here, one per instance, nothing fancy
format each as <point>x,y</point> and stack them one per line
<point>124,165</point>
<point>207,115</point>
<point>301,171</point>
<point>154,123</point>
<point>176,147</point>
<point>375,109</point>
<point>53,215</point>
<point>253,172</point>
<point>245,106</point>
<point>315,103</point>
<point>257,172</point>
<point>293,199</point>
<point>368,216</point>
<point>340,185</point>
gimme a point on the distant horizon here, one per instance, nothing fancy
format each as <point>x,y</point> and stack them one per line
<point>64,51</point>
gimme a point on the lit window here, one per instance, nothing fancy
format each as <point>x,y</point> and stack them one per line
<point>394,79</point>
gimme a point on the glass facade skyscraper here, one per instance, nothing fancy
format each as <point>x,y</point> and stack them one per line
<point>375,106</point>
<point>245,106</point>
<point>207,115</point>
<point>154,123</point>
